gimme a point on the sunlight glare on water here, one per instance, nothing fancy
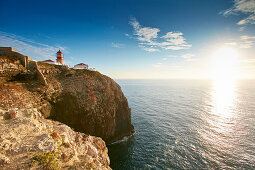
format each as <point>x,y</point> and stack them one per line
<point>223,97</point>
<point>220,131</point>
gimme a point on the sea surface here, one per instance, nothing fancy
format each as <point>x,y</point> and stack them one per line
<point>188,124</point>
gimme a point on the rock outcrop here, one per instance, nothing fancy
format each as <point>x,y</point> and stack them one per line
<point>28,141</point>
<point>87,101</point>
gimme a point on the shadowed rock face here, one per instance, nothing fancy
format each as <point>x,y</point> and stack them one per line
<point>85,100</point>
<point>92,103</point>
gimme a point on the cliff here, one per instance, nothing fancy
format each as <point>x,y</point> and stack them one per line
<point>28,141</point>
<point>87,101</point>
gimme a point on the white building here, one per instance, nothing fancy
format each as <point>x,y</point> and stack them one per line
<point>81,66</point>
<point>49,61</point>
<point>92,69</point>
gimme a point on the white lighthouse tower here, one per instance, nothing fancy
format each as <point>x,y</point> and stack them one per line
<point>60,58</point>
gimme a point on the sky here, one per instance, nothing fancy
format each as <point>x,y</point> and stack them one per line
<point>133,39</point>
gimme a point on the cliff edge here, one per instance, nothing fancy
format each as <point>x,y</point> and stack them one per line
<point>87,101</point>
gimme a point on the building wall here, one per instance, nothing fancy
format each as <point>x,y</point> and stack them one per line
<point>80,67</point>
<point>92,69</point>
<point>60,61</point>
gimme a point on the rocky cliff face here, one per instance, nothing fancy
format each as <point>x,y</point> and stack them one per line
<point>28,141</point>
<point>85,100</point>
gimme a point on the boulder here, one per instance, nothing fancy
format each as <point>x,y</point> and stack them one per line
<point>38,143</point>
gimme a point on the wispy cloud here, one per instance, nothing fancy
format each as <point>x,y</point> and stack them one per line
<point>35,50</point>
<point>166,66</point>
<point>148,48</point>
<point>186,57</point>
<point>117,45</point>
<point>247,41</point>
<point>174,41</point>
<point>241,28</point>
<point>157,65</point>
<point>149,39</point>
<point>244,41</point>
<point>231,43</point>
<point>242,6</point>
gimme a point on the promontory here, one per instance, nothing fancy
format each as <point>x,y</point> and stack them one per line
<point>89,102</point>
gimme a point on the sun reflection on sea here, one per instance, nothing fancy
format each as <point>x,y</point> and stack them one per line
<point>223,97</point>
<point>219,128</point>
<point>222,119</point>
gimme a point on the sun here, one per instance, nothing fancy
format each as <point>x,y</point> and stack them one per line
<point>224,64</point>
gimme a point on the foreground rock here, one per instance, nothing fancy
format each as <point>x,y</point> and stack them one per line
<point>28,141</point>
<point>85,100</point>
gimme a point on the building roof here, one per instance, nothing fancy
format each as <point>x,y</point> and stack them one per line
<point>48,61</point>
<point>81,64</point>
<point>59,51</point>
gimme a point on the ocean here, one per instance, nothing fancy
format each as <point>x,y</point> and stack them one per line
<point>188,124</point>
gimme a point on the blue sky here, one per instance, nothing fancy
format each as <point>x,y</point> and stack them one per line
<point>133,38</point>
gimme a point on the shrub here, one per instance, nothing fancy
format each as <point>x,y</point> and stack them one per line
<point>48,160</point>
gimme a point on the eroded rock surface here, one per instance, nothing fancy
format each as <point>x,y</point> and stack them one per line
<point>28,141</point>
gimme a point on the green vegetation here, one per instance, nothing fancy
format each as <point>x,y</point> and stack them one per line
<point>28,114</point>
<point>48,160</point>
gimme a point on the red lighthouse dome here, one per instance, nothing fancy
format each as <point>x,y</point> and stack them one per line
<point>59,52</point>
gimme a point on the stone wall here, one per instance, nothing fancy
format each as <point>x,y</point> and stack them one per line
<point>10,67</point>
<point>9,51</point>
<point>39,75</point>
<point>27,62</point>
<point>6,49</point>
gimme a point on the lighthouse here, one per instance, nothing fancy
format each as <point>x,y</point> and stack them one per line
<point>60,59</point>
